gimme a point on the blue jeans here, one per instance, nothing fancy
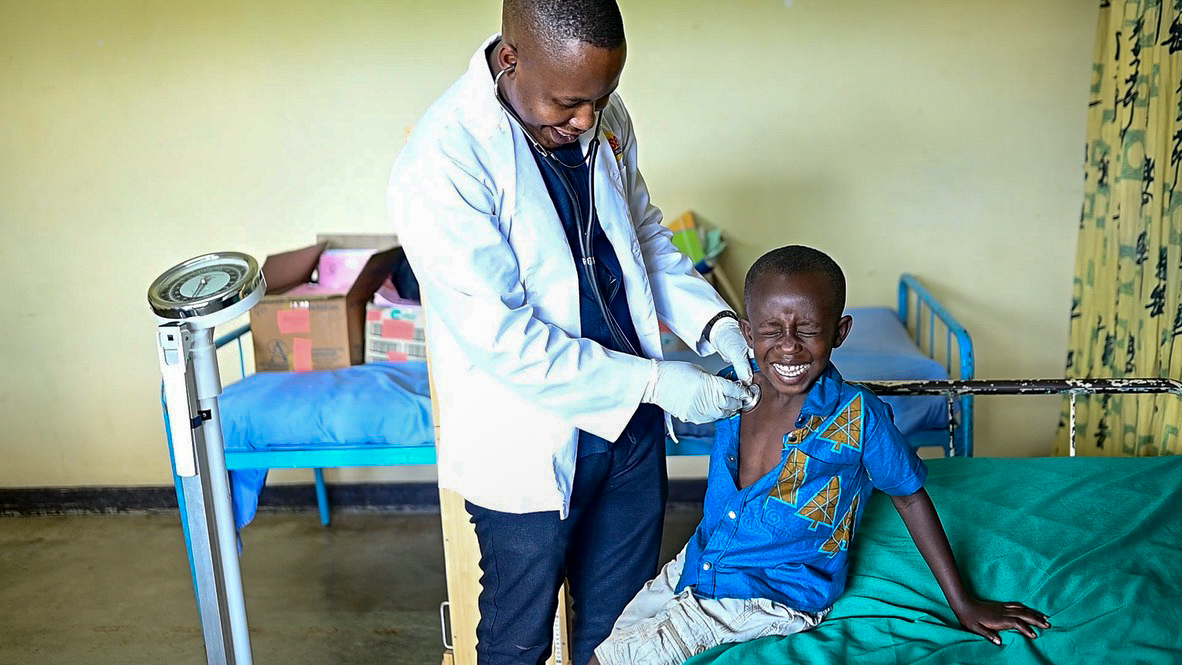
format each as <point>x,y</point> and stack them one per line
<point>607,549</point>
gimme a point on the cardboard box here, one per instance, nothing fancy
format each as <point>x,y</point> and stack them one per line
<point>301,325</point>
<point>394,333</point>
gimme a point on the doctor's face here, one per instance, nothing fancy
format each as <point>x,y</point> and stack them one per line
<point>556,88</point>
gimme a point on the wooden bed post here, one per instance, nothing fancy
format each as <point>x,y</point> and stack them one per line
<point>461,558</point>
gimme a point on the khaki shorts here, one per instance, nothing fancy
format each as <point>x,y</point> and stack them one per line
<point>662,627</point>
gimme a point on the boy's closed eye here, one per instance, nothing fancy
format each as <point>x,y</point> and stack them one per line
<point>799,332</point>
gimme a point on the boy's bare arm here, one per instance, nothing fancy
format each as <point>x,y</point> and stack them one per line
<point>982,618</point>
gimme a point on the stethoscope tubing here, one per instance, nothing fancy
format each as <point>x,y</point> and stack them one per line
<point>584,225</point>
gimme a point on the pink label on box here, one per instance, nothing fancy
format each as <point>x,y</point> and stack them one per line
<point>294,321</point>
<point>301,354</point>
<point>396,356</point>
<point>373,314</point>
<point>397,329</point>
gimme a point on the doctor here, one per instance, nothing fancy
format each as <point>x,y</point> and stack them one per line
<point>545,270</point>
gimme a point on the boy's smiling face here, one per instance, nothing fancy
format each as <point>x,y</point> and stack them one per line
<point>793,324</point>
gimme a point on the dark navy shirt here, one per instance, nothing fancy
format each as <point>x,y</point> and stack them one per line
<point>562,182</point>
<point>786,536</point>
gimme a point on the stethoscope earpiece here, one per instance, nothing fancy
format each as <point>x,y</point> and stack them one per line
<point>497,78</point>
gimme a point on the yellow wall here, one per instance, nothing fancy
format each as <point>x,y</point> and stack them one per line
<point>942,138</point>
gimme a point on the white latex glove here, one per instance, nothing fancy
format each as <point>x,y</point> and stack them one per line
<point>727,339</point>
<point>692,394</point>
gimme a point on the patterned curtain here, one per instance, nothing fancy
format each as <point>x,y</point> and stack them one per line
<point>1126,315</point>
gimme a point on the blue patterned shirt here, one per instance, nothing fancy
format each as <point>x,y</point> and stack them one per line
<point>786,536</point>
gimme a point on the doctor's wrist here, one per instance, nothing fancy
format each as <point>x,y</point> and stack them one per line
<point>725,314</point>
<point>654,371</point>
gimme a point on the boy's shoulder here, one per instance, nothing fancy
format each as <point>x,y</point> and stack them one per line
<point>870,401</point>
<point>874,413</point>
<point>848,400</point>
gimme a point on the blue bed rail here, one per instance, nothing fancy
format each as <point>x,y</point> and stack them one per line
<point>921,312</point>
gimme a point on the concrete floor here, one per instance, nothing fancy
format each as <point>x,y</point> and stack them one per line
<point>116,588</point>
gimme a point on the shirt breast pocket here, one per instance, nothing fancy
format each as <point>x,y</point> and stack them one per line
<point>805,498</point>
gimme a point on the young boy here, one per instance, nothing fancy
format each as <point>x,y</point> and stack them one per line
<point>787,485</point>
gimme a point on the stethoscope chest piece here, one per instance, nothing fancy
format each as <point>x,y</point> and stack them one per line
<point>752,400</point>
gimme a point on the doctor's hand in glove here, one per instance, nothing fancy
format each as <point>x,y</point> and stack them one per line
<point>727,339</point>
<point>692,394</point>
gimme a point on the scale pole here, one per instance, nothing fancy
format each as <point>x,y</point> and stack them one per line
<point>189,299</point>
<point>215,487</point>
<point>192,385</point>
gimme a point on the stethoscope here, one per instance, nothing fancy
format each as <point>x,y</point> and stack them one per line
<point>584,224</point>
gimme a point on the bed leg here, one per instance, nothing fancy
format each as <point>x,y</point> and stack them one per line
<point>322,497</point>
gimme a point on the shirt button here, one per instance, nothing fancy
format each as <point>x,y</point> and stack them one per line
<point>706,566</point>
<point>731,458</point>
<point>731,515</point>
<point>792,438</point>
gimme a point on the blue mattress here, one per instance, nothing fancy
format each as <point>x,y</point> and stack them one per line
<point>386,404</point>
<point>377,403</point>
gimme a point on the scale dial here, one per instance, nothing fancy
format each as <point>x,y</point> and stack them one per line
<point>205,285</point>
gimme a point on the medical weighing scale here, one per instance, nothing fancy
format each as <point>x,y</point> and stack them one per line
<point>188,300</point>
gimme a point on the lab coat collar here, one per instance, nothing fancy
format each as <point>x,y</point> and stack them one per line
<point>485,112</point>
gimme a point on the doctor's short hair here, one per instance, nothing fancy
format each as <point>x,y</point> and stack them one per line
<point>797,260</point>
<point>597,22</point>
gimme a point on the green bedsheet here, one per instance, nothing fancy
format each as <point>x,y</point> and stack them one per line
<point>1094,543</point>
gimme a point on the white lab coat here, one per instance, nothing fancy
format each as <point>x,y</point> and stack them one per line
<point>514,382</point>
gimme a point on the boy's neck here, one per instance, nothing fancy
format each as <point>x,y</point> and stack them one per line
<point>786,405</point>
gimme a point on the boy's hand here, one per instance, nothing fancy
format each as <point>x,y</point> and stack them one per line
<point>986,619</point>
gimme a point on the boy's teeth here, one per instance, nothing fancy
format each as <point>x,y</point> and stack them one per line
<point>789,371</point>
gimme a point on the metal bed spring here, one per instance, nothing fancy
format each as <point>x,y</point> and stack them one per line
<point>952,389</point>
